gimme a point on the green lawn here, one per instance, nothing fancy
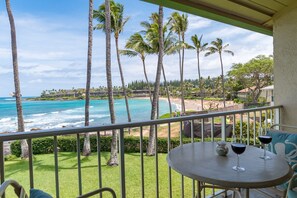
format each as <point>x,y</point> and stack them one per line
<point>44,175</point>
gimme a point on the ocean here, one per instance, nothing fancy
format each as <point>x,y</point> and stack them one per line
<point>57,114</point>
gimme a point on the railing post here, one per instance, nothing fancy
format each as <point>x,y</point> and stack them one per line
<point>30,163</point>
<point>122,163</point>
<point>277,117</point>
<point>1,162</point>
<point>223,128</point>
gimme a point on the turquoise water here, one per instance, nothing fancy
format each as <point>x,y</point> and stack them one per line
<point>57,114</point>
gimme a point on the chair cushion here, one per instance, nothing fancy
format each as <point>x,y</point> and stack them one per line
<point>284,144</point>
<point>292,194</point>
<point>35,193</point>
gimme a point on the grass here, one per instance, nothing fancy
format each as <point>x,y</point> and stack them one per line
<point>44,176</point>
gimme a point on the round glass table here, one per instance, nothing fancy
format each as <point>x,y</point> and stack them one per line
<point>199,161</point>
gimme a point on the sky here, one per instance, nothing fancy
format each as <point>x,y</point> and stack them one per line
<point>52,46</point>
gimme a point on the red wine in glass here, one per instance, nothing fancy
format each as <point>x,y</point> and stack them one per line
<point>238,148</point>
<point>265,139</point>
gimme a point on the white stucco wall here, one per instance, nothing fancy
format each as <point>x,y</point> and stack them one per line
<point>285,64</point>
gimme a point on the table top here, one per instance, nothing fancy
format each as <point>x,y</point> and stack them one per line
<point>199,161</point>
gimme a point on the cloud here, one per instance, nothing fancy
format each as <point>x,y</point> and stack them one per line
<point>227,33</point>
<point>35,81</point>
<point>4,70</point>
<point>197,23</point>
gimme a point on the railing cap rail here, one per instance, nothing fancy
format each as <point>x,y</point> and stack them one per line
<point>77,130</point>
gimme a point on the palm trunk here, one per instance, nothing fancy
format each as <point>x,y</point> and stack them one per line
<point>167,91</point>
<point>222,70</point>
<point>182,75</point>
<point>122,78</point>
<point>199,78</point>
<point>146,78</point>
<point>113,160</point>
<point>21,127</point>
<point>87,146</point>
<point>152,144</point>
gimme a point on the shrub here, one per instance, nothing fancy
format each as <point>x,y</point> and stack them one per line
<point>69,143</point>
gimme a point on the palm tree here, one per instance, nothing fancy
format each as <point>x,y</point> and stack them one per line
<point>179,25</point>
<point>137,46</point>
<point>117,25</point>
<point>87,147</point>
<point>113,160</point>
<point>199,47</point>
<point>151,144</point>
<point>169,47</point>
<point>18,95</point>
<point>218,47</point>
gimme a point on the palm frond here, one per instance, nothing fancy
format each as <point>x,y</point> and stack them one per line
<point>129,53</point>
<point>229,52</point>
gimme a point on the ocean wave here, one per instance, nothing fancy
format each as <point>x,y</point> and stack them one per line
<point>100,116</point>
<point>5,119</point>
<point>9,99</point>
<point>75,110</point>
<point>38,114</point>
<point>55,112</point>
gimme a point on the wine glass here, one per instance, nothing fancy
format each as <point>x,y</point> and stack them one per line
<point>265,140</point>
<point>237,148</point>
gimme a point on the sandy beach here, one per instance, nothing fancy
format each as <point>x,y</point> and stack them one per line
<point>195,105</point>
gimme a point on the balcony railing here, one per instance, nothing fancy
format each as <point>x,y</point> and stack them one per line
<point>249,121</point>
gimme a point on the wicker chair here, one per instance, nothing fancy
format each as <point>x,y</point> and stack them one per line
<point>291,193</point>
<point>18,189</point>
<point>101,190</point>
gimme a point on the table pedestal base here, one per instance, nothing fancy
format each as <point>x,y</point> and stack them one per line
<point>235,194</point>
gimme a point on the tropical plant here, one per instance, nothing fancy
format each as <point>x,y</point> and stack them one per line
<point>218,47</point>
<point>87,147</point>
<point>253,75</point>
<point>199,47</point>
<point>152,144</point>
<point>169,47</point>
<point>17,93</point>
<point>137,46</point>
<point>113,160</point>
<point>117,25</point>
<point>179,25</point>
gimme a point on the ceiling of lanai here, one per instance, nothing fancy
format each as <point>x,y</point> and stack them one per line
<point>256,15</point>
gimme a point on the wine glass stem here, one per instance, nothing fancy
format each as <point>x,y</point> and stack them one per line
<point>264,151</point>
<point>237,161</point>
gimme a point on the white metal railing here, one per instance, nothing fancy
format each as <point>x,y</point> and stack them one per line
<point>248,116</point>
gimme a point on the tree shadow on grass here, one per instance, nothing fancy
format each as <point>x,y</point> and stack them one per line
<point>66,161</point>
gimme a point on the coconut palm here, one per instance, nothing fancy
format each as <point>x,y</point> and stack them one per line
<point>151,143</point>
<point>113,160</point>
<point>218,47</point>
<point>179,25</point>
<point>199,47</point>
<point>117,25</point>
<point>137,46</point>
<point>169,47</point>
<point>17,93</point>
<point>87,147</point>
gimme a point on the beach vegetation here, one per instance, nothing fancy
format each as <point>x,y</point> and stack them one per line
<point>253,75</point>
<point>179,25</point>
<point>17,86</point>
<point>217,46</point>
<point>87,147</point>
<point>138,46</point>
<point>69,143</point>
<point>117,21</point>
<point>199,46</point>
<point>154,111</point>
